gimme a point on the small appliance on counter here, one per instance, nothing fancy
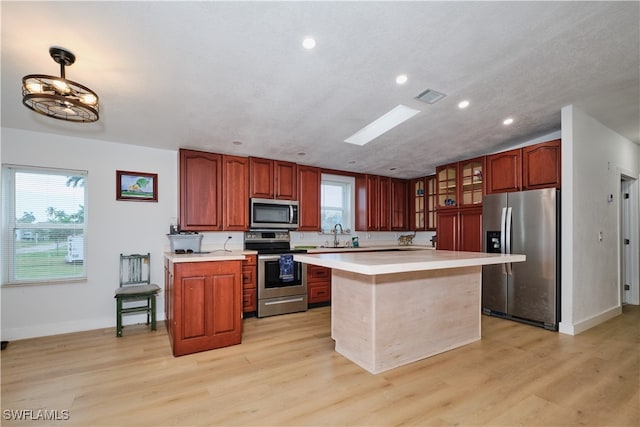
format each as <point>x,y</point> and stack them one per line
<point>185,242</point>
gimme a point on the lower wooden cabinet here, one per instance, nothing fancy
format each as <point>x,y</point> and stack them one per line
<point>460,230</point>
<point>204,305</point>
<point>318,284</point>
<point>249,284</point>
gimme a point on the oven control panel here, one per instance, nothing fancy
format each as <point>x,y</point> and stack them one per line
<point>266,235</point>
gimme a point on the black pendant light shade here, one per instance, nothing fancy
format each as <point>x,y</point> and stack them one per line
<point>58,97</point>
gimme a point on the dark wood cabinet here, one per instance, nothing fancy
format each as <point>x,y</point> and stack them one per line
<point>200,191</point>
<point>398,203</point>
<point>504,171</point>
<point>286,180</point>
<point>470,229</point>
<point>381,203</point>
<point>204,305</point>
<point>384,204</point>
<point>261,178</point>
<point>318,284</point>
<point>541,165</point>
<point>471,181</point>
<point>271,179</point>
<point>309,178</point>
<point>447,186</point>
<point>249,284</point>
<point>235,203</point>
<point>460,230</point>
<point>447,226</point>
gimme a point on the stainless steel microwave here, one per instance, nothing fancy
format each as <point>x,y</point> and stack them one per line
<point>271,213</point>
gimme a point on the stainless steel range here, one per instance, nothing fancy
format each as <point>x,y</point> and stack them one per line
<point>282,282</point>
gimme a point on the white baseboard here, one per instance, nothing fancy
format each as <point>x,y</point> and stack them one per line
<point>35,331</point>
<point>583,325</point>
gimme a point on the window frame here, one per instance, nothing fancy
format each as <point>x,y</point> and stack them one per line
<point>343,180</point>
<point>10,224</point>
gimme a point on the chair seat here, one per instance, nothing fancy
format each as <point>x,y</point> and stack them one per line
<point>137,290</point>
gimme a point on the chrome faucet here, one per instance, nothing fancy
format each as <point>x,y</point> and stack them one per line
<point>335,234</point>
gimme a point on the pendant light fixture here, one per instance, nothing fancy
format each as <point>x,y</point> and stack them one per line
<point>58,97</point>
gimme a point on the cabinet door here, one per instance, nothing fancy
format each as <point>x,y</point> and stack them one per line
<point>504,172</point>
<point>470,236</point>
<point>472,182</point>
<point>431,202</point>
<point>417,205</point>
<point>398,204</point>
<point>447,184</point>
<point>384,204</point>
<point>261,178</point>
<point>285,182</point>
<point>447,230</point>
<point>361,203</point>
<point>200,191</point>
<point>309,198</point>
<point>541,165</point>
<point>207,306</point>
<point>235,172</point>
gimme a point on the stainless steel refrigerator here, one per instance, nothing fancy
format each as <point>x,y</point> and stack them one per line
<point>526,222</point>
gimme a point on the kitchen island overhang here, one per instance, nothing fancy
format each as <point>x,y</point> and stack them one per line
<point>392,308</point>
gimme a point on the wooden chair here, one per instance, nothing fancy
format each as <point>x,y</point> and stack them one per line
<point>135,285</point>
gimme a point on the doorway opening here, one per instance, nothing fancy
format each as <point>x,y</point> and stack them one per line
<point>629,244</point>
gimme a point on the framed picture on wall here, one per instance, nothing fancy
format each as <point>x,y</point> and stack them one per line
<point>136,186</point>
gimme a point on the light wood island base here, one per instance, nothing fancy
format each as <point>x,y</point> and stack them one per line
<point>384,321</point>
<point>389,309</point>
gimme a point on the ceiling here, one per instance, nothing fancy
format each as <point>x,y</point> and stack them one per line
<point>232,77</point>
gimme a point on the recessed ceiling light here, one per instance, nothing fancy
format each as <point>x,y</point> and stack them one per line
<point>309,43</point>
<point>463,104</point>
<point>392,169</point>
<point>383,124</point>
<point>401,79</point>
<point>302,154</point>
<point>237,143</point>
<point>508,121</point>
<point>352,162</point>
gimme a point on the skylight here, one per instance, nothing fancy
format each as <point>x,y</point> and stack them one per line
<point>383,124</point>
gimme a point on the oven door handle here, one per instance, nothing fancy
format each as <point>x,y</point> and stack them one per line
<point>268,257</point>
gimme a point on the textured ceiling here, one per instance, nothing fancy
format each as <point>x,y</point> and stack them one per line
<point>203,75</point>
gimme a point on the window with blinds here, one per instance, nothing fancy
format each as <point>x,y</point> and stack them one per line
<point>44,225</point>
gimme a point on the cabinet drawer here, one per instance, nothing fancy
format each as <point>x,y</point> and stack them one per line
<point>318,273</point>
<point>320,293</point>
<point>248,277</point>
<point>249,300</point>
<point>250,260</point>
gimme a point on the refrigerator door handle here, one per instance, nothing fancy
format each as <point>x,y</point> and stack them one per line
<point>502,236</point>
<point>508,240</point>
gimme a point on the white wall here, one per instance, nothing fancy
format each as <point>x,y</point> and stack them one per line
<point>113,227</point>
<point>593,157</point>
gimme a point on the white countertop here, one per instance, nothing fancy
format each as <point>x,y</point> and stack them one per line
<point>319,249</point>
<point>372,263</point>
<point>216,255</point>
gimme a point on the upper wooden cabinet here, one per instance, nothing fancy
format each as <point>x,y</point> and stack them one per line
<point>529,168</point>
<point>235,190</point>
<point>472,182</point>
<point>271,179</point>
<point>421,199</point>
<point>381,203</point>
<point>398,197</point>
<point>504,171</point>
<point>541,165</point>
<point>447,184</point>
<point>309,178</point>
<point>200,191</point>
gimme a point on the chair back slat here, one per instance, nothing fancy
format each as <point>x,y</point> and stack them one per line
<point>134,269</point>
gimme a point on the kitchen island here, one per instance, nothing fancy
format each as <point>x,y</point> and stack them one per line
<point>393,308</point>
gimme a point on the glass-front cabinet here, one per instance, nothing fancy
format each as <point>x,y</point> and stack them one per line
<point>430,202</point>
<point>447,184</point>
<point>472,185</point>
<point>422,203</point>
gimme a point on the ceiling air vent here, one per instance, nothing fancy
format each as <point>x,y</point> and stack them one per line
<point>430,96</point>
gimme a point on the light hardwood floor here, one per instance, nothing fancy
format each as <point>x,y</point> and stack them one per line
<point>286,373</point>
